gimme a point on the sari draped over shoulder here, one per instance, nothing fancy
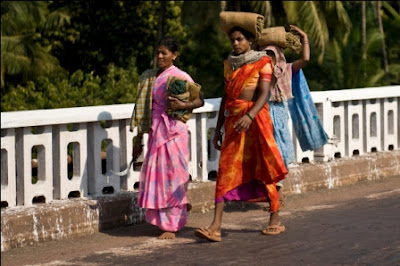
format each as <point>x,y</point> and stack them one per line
<point>164,176</point>
<point>250,163</point>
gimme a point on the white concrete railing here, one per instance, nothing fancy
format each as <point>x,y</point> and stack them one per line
<point>363,120</point>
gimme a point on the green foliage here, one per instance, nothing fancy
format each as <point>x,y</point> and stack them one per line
<point>57,54</point>
<point>81,89</point>
<point>352,65</point>
<point>23,55</point>
<point>120,84</point>
<point>207,46</point>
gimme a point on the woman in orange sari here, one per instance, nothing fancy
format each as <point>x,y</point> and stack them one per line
<point>248,150</point>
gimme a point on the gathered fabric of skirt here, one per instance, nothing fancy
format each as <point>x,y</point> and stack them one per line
<point>164,177</point>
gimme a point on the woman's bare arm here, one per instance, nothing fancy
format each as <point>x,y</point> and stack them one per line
<point>176,104</point>
<point>302,62</point>
<point>217,140</point>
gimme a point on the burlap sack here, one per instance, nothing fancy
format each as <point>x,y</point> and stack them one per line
<point>192,92</point>
<point>251,22</point>
<point>279,37</point>
<point>273,36</point>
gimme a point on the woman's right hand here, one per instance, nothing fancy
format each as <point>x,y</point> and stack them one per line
<point>217,141</point>
<point>137,150</point>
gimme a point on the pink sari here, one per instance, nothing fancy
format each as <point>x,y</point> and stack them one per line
<point>164,177</point>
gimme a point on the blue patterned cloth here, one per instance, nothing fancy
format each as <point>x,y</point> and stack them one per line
<point>279,115</point>
<point>307,124</point>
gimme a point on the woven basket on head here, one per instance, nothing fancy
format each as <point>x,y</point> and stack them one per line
<point>251,22</point>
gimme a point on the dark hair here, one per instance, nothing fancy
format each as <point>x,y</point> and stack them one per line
<point>246,33</point>
<point>169,42</point>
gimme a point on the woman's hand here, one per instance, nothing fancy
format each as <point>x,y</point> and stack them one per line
<point>137,150</point>
<point>305,58</point>
<point>217,141</point>
<point>243,124</point>
<point>303,35</point>
<point>176,104</point>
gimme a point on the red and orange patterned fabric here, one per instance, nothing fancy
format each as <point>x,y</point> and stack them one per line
<point>250,162</point>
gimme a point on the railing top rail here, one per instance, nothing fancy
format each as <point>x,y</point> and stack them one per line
<point>58,116</point>
<point>356,94</point>
<point>32,118</point>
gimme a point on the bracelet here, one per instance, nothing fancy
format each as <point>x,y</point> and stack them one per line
<point>305,42</point>
<point>193,106</point>
<point>218,131</point>
<point>249,115</point>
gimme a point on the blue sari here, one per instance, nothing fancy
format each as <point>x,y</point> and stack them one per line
<point>306,122</point>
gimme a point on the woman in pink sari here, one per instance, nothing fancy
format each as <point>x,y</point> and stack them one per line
<point>164,176</point>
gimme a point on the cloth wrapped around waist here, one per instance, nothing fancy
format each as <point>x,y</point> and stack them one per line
<point>182,90</point>
<point>248,155</point>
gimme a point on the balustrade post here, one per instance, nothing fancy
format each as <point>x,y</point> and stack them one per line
<point>8,173</point>
<point>30,187</point>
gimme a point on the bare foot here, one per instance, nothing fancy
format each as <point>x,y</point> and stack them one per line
<point>167,235</point>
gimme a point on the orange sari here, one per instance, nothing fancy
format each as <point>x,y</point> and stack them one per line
<point>250,163</point>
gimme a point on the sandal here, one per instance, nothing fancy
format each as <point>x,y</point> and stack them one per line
<point>274,229</point>
<point>204,233</point>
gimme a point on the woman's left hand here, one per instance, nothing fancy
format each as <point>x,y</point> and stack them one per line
<point>175,104</point>
<point>303,35</point>
<point>243,124</point>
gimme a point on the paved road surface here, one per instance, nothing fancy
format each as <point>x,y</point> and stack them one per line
<point>353,225</point>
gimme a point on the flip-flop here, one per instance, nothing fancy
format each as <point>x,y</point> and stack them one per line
<point>204,233</point>
<point>278,228</point>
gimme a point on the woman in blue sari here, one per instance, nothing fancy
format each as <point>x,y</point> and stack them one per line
<point>290,93</point>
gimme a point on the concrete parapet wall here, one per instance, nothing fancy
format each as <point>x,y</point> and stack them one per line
<point>29,225</point>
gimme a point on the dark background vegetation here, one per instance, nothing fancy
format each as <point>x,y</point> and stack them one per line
<point>57,54</point>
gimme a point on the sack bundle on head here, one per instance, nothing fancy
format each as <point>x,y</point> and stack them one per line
<point>251,22</point>
<point>279,37</point>
<point>185,91</point>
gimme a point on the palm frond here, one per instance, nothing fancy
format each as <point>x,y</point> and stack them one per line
<point>374,42</point>
<point>291,9</point>
<point>57,19</point>
<point>20,16</point>
<point>333,61</point>
<point>375,78</point>
<point>314,24</point>
<point>263,8</point>
<point>391,10</point>
<point>343,20</point>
